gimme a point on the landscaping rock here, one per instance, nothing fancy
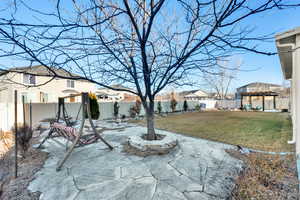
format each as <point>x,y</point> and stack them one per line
<point>164,145</point>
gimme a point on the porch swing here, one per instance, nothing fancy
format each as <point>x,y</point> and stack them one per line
<point>70,133</point>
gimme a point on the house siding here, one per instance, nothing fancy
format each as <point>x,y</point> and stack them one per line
<point>52,90</point>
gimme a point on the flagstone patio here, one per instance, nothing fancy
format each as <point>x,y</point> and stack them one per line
<point>195,169</point>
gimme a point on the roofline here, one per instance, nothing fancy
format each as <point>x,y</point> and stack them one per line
<point>288,33</point>
<point>23,70</point>
<point>259,82</point>
<point>288,44</point>
<point>46,67</point>
<point>282,63</point>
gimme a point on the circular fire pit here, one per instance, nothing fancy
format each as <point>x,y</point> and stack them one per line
<point>139,146</point>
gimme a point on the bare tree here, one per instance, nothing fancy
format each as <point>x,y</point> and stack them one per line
<point>221,78</point>
<point>144,44</point>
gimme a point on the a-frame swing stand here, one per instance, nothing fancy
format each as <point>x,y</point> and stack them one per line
<point>69,132</point>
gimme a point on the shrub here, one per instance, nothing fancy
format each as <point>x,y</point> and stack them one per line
<point>159,108</point>
<point>173,104</point>
<point>132,111</point>
<point>185,106</point>
<point>138,104</point>
<point>24,136</point>
<point>197,107</point>
<point>135,109</point>
<point>94,106</point>
<point>116,109</point>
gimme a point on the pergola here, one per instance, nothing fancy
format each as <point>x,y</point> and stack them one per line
<point>259,94</point>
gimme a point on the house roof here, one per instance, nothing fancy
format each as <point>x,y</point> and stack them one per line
<point>117,87</point>
<point>288,33</point>
<point>259,84</point>
<point>2,72</point>
<point>187,92</point>
<point>101,93</point>
<point>285,43</point>
<point>190,92</point>
<point>43,71</point>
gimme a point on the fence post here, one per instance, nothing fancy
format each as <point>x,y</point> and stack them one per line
<point>23,104</point>
<point>16,135</point>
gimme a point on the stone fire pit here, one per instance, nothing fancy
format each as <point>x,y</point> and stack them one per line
<point>140,146</point>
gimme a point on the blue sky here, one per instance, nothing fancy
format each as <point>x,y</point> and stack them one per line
<point>268,67</point>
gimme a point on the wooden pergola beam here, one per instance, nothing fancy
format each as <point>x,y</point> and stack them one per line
<point>268,93</point>
<point>263,102</point>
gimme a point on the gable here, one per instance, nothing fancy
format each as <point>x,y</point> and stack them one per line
<point>200,93</point>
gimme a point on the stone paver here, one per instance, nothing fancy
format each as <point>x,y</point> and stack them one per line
<point>195,169</point>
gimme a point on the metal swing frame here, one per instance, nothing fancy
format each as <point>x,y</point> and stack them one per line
<point>85,106</point>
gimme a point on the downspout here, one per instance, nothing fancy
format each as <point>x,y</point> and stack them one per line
<point>293,141</point>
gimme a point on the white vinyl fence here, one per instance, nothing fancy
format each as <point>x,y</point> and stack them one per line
<point>7,115</point>
<point>42,111</point>
<point>281,103</point>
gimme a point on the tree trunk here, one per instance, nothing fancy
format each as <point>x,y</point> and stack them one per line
<point>151,135</point>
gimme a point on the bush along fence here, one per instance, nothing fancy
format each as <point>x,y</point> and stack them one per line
<point>112,110</point>
<point>107,110</point>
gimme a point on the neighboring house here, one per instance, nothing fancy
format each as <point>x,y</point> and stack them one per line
<point>37,89</point>
<point>163,97</point>
<point>105,96</point>
<point>259,87</point>
<point>184,95</point>
<point>288,46</point>
<point>193,95</point>
<point>110,95</point>
<point>216,96</point>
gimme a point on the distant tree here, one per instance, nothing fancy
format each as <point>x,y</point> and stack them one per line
<point>197,107</point>
<point>185,106</point>
<point>159,107</point>
<point>132,111</point>
<point>116,109</point>
<point>220,79</point>
<point>135,110</point>
<point>138,107</point>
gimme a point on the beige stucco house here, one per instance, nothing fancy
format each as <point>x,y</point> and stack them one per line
<point>288,46</point>
<point>193,95</point>
<point>37,88</point>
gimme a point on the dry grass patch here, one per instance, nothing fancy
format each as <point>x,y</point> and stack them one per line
<point>6,142</point>
<point>11,188</point>
<point>266,177</point>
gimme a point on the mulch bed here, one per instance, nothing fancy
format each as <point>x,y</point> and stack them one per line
<point>266,177</point>
<point>11,188</point>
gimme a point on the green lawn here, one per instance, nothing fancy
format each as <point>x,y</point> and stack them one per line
<point>258,130</point>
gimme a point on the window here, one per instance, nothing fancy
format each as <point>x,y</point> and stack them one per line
<point>29,79</point>
<point>70,83</point>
